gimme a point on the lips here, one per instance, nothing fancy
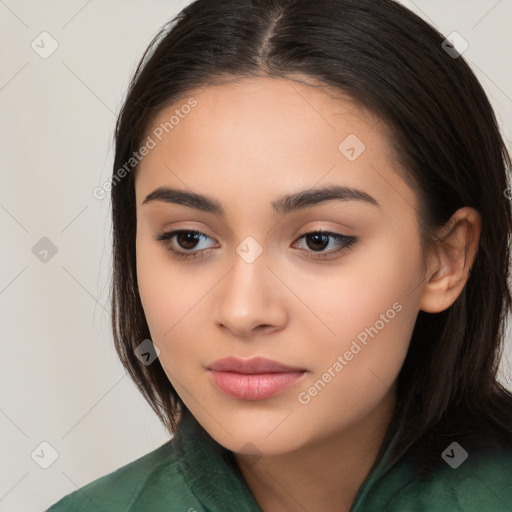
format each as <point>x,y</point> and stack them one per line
<point>253,379</point>
<point>255,365</point>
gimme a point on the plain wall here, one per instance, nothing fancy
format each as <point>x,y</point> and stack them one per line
<point>60,380</point>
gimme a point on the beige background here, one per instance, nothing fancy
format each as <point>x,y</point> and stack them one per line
<point>60,381</point>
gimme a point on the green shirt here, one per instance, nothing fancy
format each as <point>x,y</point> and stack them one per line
<point>187,474</point>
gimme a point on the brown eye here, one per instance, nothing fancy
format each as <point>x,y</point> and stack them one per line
<point>317,241</point>
<point>183,243</point>
<point>187,239</point>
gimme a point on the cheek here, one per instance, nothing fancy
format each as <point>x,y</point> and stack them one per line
<point>163,295</point>
<point>368,308</point>
<point>366,284</point>
<point>173,299</point>
<point>354,369</point>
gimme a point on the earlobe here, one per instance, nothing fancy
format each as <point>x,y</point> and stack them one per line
<point>450,261</point>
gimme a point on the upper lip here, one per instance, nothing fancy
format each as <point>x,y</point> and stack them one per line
<point>251,366</point>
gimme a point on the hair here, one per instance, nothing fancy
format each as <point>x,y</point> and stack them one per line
<point>446,139</point>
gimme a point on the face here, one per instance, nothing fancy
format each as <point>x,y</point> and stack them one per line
<point>250,273</point>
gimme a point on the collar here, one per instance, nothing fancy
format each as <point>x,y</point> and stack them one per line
<point>219,487</point>
<point>215,484</point>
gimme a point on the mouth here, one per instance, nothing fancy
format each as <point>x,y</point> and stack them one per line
<point>253,379</point>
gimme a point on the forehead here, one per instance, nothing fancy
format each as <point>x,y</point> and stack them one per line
<point>267,108</point>
<point>262,135</point>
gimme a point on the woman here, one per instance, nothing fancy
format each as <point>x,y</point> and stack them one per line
<point>311,262</point>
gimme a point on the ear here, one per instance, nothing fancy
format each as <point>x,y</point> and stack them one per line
<point>450,261</point>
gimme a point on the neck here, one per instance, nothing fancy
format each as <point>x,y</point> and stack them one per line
<point>323,476</point>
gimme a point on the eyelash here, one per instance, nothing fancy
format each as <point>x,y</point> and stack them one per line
<point>165,238</point>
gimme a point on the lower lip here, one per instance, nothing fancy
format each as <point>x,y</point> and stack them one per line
<point>254,386</point>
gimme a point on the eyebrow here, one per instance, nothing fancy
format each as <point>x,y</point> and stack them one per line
<point>282,206</point>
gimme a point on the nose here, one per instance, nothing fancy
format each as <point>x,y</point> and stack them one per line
<point>251,300</point>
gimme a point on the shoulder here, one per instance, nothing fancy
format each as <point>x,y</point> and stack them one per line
<point>467,478</point>
<point>468,482</point>
<point>154,478</point>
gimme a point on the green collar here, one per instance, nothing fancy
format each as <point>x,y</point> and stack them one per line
<point>214,483</point>
<point>219,487</point>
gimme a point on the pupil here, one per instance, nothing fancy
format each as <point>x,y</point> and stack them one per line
<point>187,238</point>
<point>324,240</point>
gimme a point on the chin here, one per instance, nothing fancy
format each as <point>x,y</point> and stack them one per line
<point>254,436</point>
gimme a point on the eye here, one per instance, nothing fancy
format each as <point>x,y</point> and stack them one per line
<point>319,240</point>
<point>183,243</point>
<point>186,239</point>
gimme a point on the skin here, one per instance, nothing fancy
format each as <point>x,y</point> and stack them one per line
<point>246,144</point>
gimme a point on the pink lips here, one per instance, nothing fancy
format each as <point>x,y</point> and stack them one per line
<point>253,379</point>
